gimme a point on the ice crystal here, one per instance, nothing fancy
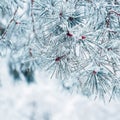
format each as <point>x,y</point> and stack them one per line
<point>77,41</point>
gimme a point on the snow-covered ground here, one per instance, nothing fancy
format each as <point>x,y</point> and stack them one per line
<point>45,100</point>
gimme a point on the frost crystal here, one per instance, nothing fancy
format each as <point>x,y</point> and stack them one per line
<point>77,41</point>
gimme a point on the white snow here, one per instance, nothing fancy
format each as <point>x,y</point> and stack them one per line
<point>45,100</point>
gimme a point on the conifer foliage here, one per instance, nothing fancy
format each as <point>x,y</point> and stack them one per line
<point>76,41</point>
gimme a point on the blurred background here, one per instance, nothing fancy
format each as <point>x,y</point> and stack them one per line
<point>42,98</point>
